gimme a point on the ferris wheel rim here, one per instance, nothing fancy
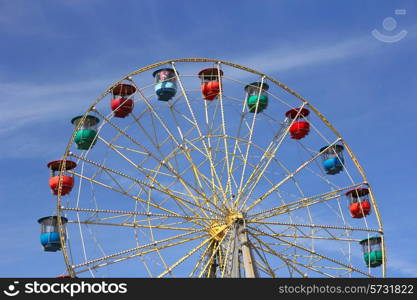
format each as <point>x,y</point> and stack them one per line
<point>233,65</point>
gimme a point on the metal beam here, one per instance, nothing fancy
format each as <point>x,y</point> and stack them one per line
<point>249,264</point>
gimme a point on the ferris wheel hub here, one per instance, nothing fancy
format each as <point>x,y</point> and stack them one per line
<point>217,230</point>
<point>233,217</point>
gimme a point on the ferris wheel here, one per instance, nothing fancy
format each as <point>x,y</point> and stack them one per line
<point>198,167</point>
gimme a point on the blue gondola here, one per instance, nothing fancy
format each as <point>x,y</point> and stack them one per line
<point>333,160</point>
<point>166,86</point>
<point>50,238</point>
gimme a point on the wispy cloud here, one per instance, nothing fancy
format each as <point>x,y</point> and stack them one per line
<point>282,59</point>
<point>49,100</point>
<point>289,57</point>
<point>28,107</point>
<point>28,103</point>
<point>24,18</point>
<point>403,266</point>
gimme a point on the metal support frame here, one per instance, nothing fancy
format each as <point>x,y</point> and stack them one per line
<point>241,254</point>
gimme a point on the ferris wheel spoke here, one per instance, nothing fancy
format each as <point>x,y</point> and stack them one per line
<point>184,93</point>
<point>331,268</point>
<point>154,131</point>
<point>121,188</point>
<point>164,222</point>
<point>156,244</point>
<point>274,121</point>
<point>164,190</point>
<point>288,177</point>
<point>209,183</point>
<point>197,127</point>
<point>285,248</point>
<point>350,267</point>
<point>339,239</point>
<point>224,132</point>
<point>126,217</point>
<point>201,259</point>
<point>278,194</point>
<point>223,164</point>
<point>185,184</point>
<point>154,205</point>
<point>291,262</point>
<point>208,127</point>
<point>290,212</point>
<point>327,141</point>
<point>313,268</point>
<point>261,267</point>
<point>322,175</point>
<point>115,258</point>
<point>195,168</point>
<point>213,165</point>
<point>154,141</point>
<point>266,267</point>
<point>213,187</point>
<point>236,166</point>
<point>249,144</point>
<point>235,169</point>
<point>325,227</point>
<point>180,203</point>
<point>146,171</point>
<point>135,213</point>
<point>282,101</point>
<point>133,225</point>
<point>197,175</point>
<point>153,138</point>
<point>302,203</point>
<point>174,111</point>
<point>125,148</point>
<point>268,249</point>
<point>267,157</point>
<point>236,146</point>
<point>256,168</point>
<point>183,137</point>
<point>171,135</point>
<point>185,257</point>
<point>203,205</point>
<point>214,252</point>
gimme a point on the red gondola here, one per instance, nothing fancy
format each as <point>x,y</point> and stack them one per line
<point>300,127</point>
<point>122,102</point>
<point>210,83</point>
<point>359,204</point>
<point>67,181</point>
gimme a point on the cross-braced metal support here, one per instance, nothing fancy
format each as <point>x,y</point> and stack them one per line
<point>239,260</point>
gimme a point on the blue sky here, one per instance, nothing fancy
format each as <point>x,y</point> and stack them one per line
<point>58,56</point>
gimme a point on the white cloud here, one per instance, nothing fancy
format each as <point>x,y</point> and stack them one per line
<point>282,59</point>
<point>28,104</point>
<point>402,266</point>
<point>29,107</point>
<point>287,57</point>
